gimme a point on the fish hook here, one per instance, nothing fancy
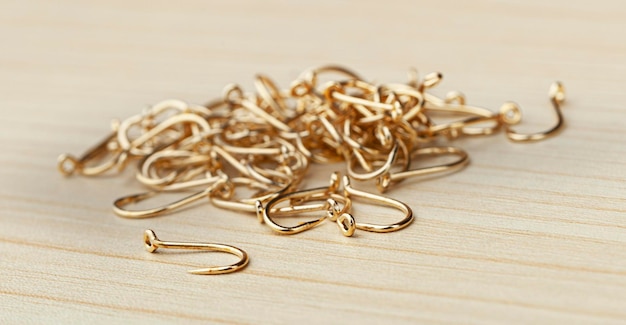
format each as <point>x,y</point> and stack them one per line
<point>220,184</point>
<point>153,243</point>
<point>557,97</point>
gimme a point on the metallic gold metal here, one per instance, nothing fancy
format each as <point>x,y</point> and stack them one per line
<point>264,141</point>
<point>134,146</point>
<point>296,198</point>
<point>183,169</point>
<point>119,204</point>
<point>384,181</point>
<point>152,243</point>
<point>264,194</point>
<point>557,97</point>
<point>68,164</point>
<point>391,157</point>
<point>344,220</point>
<point>478,115</point>
<point>268,91</point>
<point>255,109</point>
<point>350,193</point>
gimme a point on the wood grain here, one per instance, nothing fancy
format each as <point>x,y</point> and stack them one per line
<point>530,233</point>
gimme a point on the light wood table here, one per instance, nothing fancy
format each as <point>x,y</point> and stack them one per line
<point>528,233</point>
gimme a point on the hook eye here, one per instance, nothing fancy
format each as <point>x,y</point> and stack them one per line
<point>345,221</point>
<point>557,97</point>
<point>149,240</point>
<point>346,224</point>
<point>350,193</point>
<point>67,164</point>
<point>510,114</point>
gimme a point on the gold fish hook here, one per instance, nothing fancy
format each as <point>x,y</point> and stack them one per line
<point>386,166</point>
<point>118,205</point>
<point>189,165</point>
<point>311,76</point>
<point>311,193</point>
<point>350,192</point>
<point>455,103</point>
<point>269,92</point>
<point>264,193</point>
<point>315,194</point>
<point>384,181</point>
<point>557,97</point>
<point>68,164</point>
<point>134,146</point>
<point>153,243</point>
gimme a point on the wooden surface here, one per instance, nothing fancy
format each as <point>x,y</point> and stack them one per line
<point>528,233</point>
